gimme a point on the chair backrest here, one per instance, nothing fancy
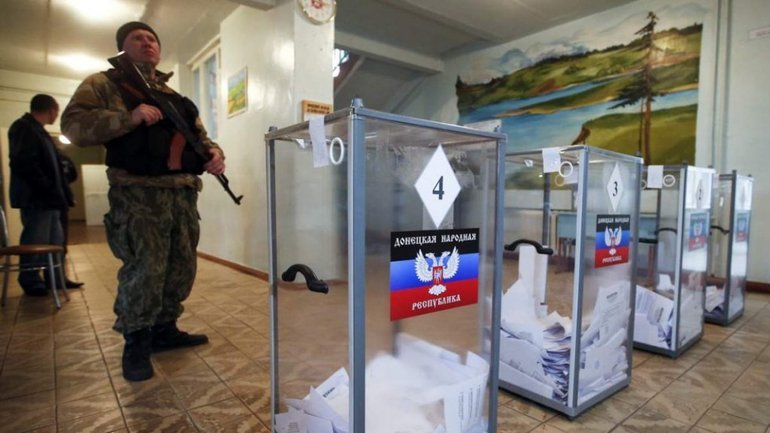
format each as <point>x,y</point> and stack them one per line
<point>4,242</point>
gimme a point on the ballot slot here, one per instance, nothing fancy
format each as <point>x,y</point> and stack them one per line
<point>728,248</point>
<point>565,338</point>
<point>384,282</point>
<point>671,265</point>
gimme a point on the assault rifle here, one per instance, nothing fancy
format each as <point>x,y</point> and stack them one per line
<point>122,63</point>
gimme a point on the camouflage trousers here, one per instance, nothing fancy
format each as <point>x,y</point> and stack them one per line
<point>154,232</point>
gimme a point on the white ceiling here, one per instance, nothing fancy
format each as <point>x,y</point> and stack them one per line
<point>400,41</point>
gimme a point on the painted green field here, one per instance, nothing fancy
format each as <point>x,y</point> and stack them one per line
<point>680,49</point>
<point>672,134</point>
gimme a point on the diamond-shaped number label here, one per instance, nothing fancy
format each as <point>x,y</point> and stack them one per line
<point>438,186</point>
<point>615,188</point>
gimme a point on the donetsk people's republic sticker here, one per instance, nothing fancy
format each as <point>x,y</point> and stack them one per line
<point>433,270</point>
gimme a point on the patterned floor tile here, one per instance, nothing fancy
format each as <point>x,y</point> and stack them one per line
<point>510,420</point>
<point>686,405</point>
<point>179,423</point>
<point>540,413</point>
<point>160,405</point>
<point>101,422</point>
<point>748,409</point>
<point>585,423</point>
<point>653,422</point>
<point>718,421</point>
<point>214,417</point>
<point>76,353</point>
<point>199,390</point>
<point>74,409</point>
<point>14,422</point>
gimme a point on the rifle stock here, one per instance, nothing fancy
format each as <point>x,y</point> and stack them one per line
<point>122,63</point>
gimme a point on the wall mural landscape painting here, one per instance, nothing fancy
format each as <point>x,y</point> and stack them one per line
<point>630,85</point>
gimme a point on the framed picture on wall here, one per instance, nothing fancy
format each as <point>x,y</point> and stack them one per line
<point>237,94</point>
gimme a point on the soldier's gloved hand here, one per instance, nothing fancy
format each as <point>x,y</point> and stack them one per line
<point>216,165</point>
<point>145,113</point>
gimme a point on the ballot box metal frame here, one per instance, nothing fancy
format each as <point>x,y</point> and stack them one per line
<point>730,281</point>
<point>356,210</point>
<point>682,170</point>
<point>573,407</point>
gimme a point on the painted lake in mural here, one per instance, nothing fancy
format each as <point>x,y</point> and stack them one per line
<point>535,131</point>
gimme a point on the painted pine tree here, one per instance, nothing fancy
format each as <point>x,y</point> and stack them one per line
<point>640,90</point>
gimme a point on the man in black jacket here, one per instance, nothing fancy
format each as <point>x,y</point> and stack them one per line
<point>38,187</point>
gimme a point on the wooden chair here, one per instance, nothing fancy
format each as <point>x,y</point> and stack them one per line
<point>54,255</point>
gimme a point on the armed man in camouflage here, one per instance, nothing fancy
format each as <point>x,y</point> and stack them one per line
<point>152,224</point>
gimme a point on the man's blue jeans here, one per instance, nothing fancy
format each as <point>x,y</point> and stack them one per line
<point>41,226</point>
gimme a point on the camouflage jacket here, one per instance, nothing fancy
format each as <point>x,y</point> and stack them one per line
<point>96,114</point>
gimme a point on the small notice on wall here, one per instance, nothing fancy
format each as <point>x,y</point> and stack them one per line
<point>312,109</point>
<point>433,270</point>
<point>612,235</point>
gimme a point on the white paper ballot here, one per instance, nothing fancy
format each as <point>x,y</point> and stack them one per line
<point>424,389</point>
<point>551,159</point>
<point>652,320</point>
<point>715,298</point>
<point>654,176</point>
<point>318,140</point>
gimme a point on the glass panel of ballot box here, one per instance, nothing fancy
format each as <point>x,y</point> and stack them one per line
<point>570,227</point>
<point>384,274</point>
<point>673,258</point>
<point>729,248</point>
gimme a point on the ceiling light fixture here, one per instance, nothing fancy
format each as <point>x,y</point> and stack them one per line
<point>110,11</point>
<point>80,62</point>
<point>64,140</point>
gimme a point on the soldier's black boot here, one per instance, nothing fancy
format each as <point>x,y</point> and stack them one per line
<point>136,355</point>
<point>167,336</point>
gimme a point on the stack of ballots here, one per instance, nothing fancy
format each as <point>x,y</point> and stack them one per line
<point>652,322</point>
<point>535,346</point>
<point>424,389</point>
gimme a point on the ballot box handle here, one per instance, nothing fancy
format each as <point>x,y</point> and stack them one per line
<point>721,229</point>
<point>666,229</point>
<point>314,284</point>
<point>540,248</point>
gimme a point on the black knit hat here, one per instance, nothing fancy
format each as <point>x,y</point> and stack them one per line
<point>129,27</point>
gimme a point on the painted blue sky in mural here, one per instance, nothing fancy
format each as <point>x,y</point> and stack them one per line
<point>542,104</point>
<point>597,32</point>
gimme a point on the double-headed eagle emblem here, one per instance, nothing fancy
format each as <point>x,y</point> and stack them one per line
<point>436,271</point>
<point>612,238</point>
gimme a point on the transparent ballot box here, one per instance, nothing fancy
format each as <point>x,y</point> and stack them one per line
<point>384,274</point>
<point>673,257</point>
<point>729,248</point>
<point>570,228</point>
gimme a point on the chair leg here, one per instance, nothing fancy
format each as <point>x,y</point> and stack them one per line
<point>5,280</point>
<point>52,280</point>
<point>61,277</point>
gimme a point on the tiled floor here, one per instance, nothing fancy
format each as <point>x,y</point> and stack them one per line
<point>60,370</point>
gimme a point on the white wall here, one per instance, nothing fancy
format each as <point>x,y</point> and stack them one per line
<point>733,101</point>
<point>747,114</point>
<point>288,59</point>
<point>16,90</point>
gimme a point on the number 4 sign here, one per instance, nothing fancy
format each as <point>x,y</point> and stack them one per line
<point>437,186</point>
